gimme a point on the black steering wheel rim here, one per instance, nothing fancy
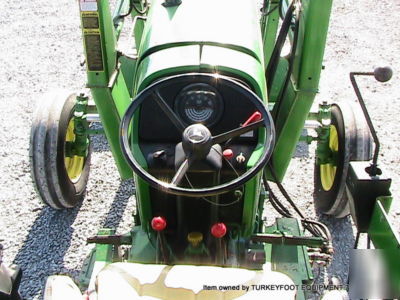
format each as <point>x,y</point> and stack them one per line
<point>268,144</point>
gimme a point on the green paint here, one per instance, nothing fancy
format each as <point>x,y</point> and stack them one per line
<point>143,250</point>
<point>163,53</point>
<point>269,26</point>
<point>384,236</point>
<point>104,252</point>
<point>120,95</point>
<point>173,42</point>
<point>195,253</point>
<point>143,202</point>
<point>250,207</point>
<point>288,259</point>
<point>199,36</point>
<point>169,27</point>
<point>305,79</point>
<point>277,83</point>
<point>110,103</point>
<point>101,253</point>
<point>128,67</point>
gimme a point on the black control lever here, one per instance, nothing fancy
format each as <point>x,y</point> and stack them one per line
<point>381,74</point>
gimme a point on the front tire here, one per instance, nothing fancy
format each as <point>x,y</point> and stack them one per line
<point>59,180</point>
<point>351,140</point>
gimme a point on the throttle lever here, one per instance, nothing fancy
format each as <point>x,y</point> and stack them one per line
<point>256,116</point>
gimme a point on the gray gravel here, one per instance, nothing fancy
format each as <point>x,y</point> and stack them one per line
<point>40,50</point>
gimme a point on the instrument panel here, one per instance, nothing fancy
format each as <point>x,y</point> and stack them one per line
<point>216,106</point>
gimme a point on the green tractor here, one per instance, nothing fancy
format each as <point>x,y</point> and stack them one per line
<point>201,108</point>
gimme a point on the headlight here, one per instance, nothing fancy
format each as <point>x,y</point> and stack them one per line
<point>199,103</point>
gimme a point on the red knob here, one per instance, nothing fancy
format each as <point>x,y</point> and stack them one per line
<point>228,153</point>
<point>218,230</point>
<point>158,223</point>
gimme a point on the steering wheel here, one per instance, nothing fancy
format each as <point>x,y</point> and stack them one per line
<point>197,140</point>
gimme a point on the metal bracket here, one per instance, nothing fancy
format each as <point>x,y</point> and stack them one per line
<point>110,239</point>
<point>114,76</point>
<point>364,189</point>
<point>286,239</point>
<point>324,153</point>
<point>111,81</point>
<point>81,127</point>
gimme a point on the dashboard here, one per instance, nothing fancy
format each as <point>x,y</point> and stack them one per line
<point>218,107</point>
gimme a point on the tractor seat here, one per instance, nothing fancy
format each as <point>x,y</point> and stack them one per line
<point>187,282</point>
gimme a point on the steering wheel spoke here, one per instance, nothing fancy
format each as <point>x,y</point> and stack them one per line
<point>168,111</point>
<point>180,173</point>
<point>236,132</point>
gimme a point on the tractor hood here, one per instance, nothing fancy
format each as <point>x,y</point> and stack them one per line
<point>202,36</point>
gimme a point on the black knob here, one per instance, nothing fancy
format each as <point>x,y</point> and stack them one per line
<point>169,3</point>
<point>383,74</point>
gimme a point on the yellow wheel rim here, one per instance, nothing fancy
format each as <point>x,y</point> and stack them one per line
<point>328,171</point>
<point>73,165</point>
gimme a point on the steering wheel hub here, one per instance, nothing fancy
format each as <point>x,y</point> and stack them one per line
<point>196,134</point>
<point>196,141</point>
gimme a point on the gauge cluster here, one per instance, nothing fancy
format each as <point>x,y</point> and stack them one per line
<point>213,104</point>
<point>199,103</point>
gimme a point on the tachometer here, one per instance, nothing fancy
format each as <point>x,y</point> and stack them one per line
<point>199,103</point>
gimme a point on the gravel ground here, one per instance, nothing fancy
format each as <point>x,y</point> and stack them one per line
<point>40,50</point>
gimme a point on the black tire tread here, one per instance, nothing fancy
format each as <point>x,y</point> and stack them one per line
<point>357,147</point>
<point>47,169</point>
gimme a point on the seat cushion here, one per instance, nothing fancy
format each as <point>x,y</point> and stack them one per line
<point>186,282</point>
